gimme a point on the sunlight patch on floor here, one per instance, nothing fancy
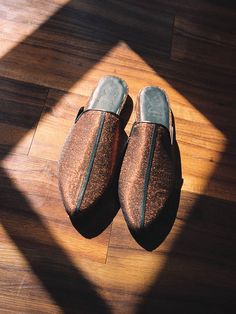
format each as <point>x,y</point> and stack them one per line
<point>17,23</point>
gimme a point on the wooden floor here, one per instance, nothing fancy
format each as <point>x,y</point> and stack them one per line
<point>52,54</point>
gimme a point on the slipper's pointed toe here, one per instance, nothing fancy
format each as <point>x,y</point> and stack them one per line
<point>88,160</point>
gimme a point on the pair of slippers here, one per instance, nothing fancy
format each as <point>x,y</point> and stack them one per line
<point>90,156</point>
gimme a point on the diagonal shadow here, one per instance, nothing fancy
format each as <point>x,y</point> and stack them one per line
<point>149,35</point>
<point>66,285</point>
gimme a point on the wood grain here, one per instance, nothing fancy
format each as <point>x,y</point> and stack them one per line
<point>20,109</point>
<point>201,229</point>
<point>76,37</point>
<point>31,183</point>
<point>57,118</point>
<point>208,41</point>
<point>40,250</point>
<point>52,55</point>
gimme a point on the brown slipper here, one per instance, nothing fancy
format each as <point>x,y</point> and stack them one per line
<point>89,156</point>
<point>147,174</point>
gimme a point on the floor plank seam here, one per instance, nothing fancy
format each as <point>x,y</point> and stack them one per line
<point>172,37</point>
<point>108,244</point>
<point>36,125</point>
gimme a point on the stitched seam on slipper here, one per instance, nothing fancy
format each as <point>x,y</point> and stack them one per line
<point>147,175</point>
<point>91,162</point>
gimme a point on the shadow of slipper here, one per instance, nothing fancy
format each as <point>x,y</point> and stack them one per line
<point>99,217</point>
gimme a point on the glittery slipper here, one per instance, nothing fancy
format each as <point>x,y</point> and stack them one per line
<point>89,157</point>
<point>147,174</point>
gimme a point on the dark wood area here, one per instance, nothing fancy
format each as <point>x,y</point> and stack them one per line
<point>52,53</point>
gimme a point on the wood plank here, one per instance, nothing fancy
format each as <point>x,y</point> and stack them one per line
<point>199,243</point>
<point>43,278</point>
<point>133,280</point>
<point>21,105</point>
<point>77,37</point>
<point>46,266</point>
<point>205,41</point>
<point>192,7</point>
<point>31,183</point>
<point>40,250</point>
<point>58,116</point>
